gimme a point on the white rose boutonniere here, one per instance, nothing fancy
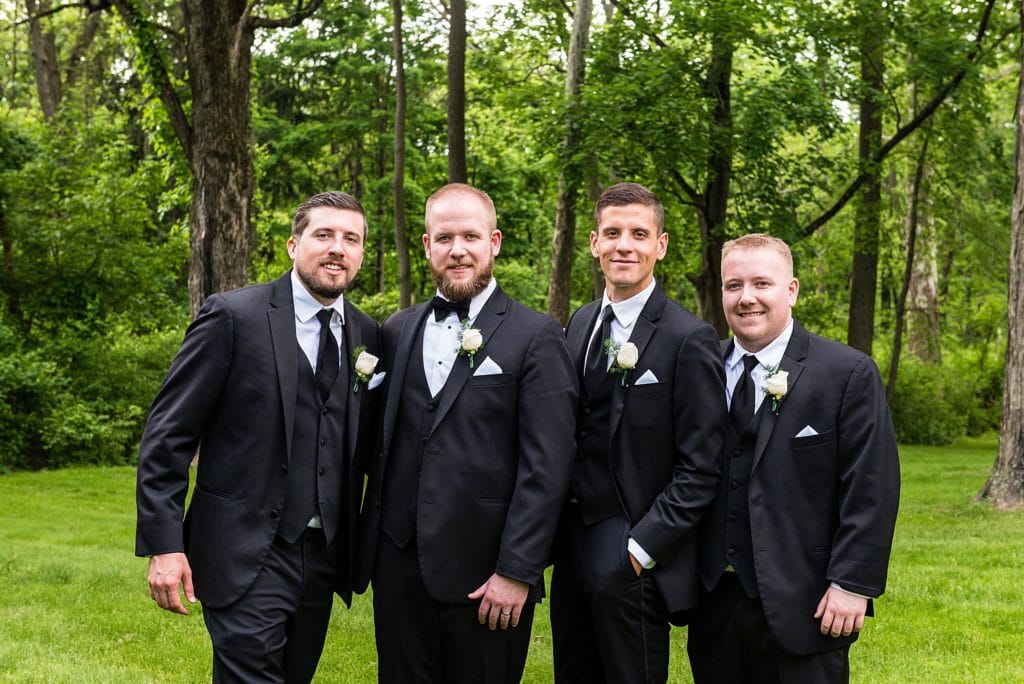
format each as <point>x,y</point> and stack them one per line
<point>471,340</point>
<point>365,364</point>
<point>624,357</point>
<point>776,384</point>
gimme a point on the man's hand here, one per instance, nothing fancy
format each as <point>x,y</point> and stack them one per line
<point>637,568</point>
<point>841,613</point>
<point>168,572</point>
<point>502,601</point>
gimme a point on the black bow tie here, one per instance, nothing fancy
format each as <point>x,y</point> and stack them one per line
<point>443,307</point>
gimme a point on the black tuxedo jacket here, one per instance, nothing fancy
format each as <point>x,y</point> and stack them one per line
<point>666,437</point>
<point>230,393</point>
<point>823,506</point>
<point>496,465</point>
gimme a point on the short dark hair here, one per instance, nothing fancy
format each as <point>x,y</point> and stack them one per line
<point>622,194</point>
<point>335,200</point>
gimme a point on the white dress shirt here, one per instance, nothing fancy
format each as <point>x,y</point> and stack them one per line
<point>307,326</point>
<point>441,340</point>
<point>769,357</point>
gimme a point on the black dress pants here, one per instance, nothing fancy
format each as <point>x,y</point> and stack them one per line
<point>730,642</point>
<point>275,632</point>
<point>608,624</point>
<point>423,641</point>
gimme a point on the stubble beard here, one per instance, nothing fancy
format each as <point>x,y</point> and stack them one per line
<point>318,287</point>
<point>459,292</point>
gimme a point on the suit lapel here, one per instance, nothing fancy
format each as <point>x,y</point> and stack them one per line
<point>281,316</point>
<point>792,363</point>
<point>487,322</point>
<point>407,338</point>
<point>353,340</point>
<point>579,334</point>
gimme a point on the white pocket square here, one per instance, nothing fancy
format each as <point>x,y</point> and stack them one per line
<point>648,378</point>
<point>376,380</point>
<point>488,367</point>
<point>808,431</point>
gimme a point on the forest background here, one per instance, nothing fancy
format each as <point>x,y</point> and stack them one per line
<point>153,151</point>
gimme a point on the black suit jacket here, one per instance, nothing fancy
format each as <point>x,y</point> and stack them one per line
<point>822,507</point>
<point>666,437</point>
<point>496,464</point>
<point>230,393</point>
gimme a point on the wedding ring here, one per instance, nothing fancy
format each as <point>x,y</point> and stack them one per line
<point>506,614</point>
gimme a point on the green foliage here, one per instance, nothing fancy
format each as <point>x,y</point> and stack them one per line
<point>930,404</point>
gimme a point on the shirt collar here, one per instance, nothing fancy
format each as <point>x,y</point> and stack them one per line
<point>770,356</point>
<point>307,306</point>
<point>478,301</point>
<point>628,310</point>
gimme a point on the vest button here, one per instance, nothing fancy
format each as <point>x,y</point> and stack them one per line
<point>323,411</point>
<point>431,407</point>
<point>275,514</point>
<point>731,551</point>
<point>734,484</point>
<point>321,471</point>
<point>736,453</point>
<point>732,517</point>
<point>284,467</point>
<point>323,440</point>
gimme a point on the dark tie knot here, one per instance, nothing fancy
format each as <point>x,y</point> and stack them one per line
<point>608,314</point>
<point>442,307</point>
<point>324,316</point>
<point>749,363</point>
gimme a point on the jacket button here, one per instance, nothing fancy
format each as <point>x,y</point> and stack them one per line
<point>321,471</point>
<point>734,484</point>
<point>323,411</point>
<point>275,514</point>
<point>284,467</point>
<point>323,440</point>
<point>732,517</point>
<point>731,551</point>
<point>736,453</point>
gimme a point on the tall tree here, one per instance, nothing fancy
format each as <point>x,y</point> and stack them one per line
<point>216,137</point>
<point>868,225</point>
<point>51,78</point>
<point>572,168</point>
<point>1005,485</point>
<point>457,93</point>
<point>398,178</point>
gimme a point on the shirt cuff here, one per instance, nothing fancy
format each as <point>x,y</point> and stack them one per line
<point>642,557</point>
<point>845,591</point>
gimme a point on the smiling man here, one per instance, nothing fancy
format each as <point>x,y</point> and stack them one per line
<point>797,541</point>
<point>650,426</point>
<point>477,447</point>
<point>264,388</point>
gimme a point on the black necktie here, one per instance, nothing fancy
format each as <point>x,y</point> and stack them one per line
<point>327,360</point>
<point>442,307</point>
<point>742,408</point>
<point>595,354</point>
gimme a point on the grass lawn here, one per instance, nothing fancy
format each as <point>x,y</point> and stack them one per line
<point>75,607</point>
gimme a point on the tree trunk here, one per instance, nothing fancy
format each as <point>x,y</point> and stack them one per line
<point>564,238</point>
<point>711,213</point>
<point>864,280</point>
<point>44,60</point>
<point>219,61</point>
<point>923,332</point>
<point>457,93</point>
<point>1005,485</point>
<point>398,181</point>
<point>913,218</point>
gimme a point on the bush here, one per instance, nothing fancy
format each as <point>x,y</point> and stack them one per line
<point>931,403</point>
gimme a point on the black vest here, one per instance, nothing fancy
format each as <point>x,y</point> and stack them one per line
<point>592,482</point>
<point>416,410</point>
<point>738,547</point>
<point>318,462</point>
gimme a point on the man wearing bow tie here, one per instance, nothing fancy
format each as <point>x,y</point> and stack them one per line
<point>477,445</point>
<point>649,435</point>
<point>266,386</point>
<point>797,541</point>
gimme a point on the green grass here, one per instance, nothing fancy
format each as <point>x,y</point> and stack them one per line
<point>75,608</point>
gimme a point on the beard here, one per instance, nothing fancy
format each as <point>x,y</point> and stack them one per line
<point>320,287</point>
<point>459,292</point>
